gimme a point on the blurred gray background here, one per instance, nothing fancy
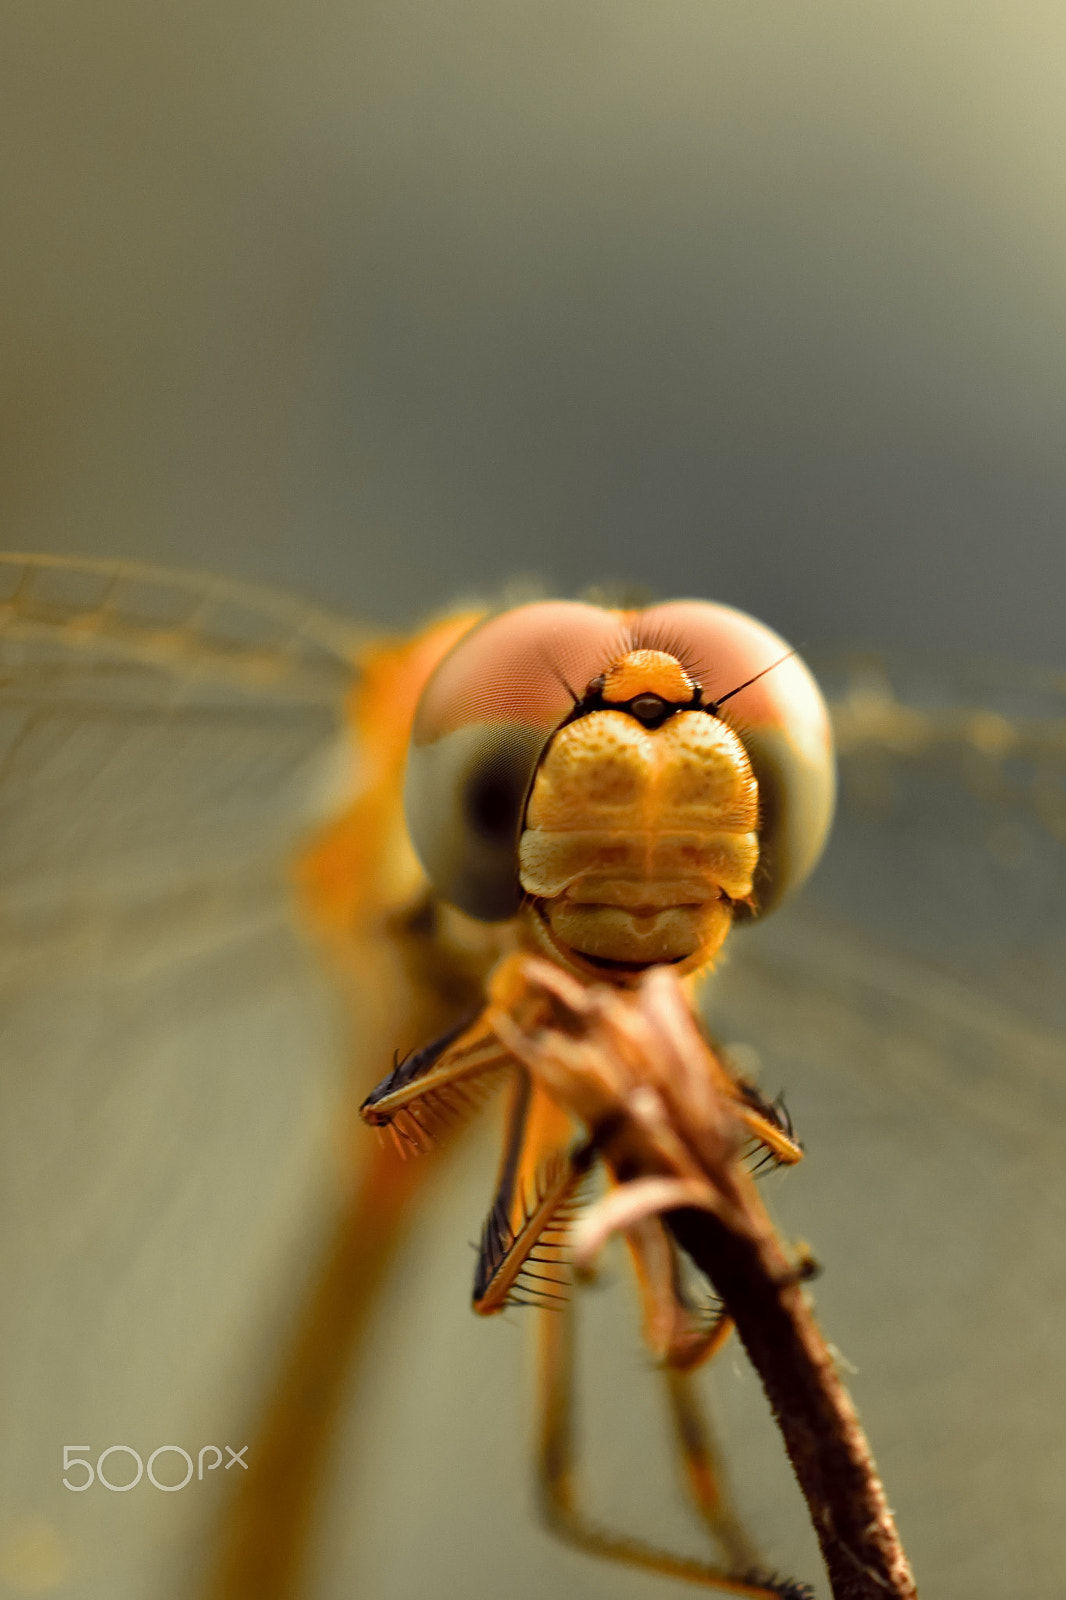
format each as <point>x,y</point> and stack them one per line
<point>385,301</point>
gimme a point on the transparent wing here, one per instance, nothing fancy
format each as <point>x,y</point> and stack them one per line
<point>169,1073</point>
<point>913,1009</point>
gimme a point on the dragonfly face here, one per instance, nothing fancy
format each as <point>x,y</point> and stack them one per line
<point>578,765</point>
<point>639,839</point>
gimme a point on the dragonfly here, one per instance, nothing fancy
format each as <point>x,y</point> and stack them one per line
<point>183,1162</point>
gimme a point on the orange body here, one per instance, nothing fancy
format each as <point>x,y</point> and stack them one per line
<point>363,894</point>
<point>361,883</point>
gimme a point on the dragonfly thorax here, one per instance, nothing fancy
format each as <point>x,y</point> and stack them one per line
<point>639,840</point>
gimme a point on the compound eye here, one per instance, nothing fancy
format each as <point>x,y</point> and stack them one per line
<point>485,716</point>
<point>464,798</point>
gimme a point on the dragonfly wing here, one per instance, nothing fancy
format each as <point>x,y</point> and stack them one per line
<point>914,1007</point>
<point>170,1051</point>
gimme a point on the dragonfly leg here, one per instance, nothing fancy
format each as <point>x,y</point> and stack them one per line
<point>523,1258</point>
<point>431,1087</point>
<point>703,1473</point>
<point>557,1482</point>
<point>680,1332</point>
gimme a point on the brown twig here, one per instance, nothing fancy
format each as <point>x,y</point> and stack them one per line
<point>666,1114</point>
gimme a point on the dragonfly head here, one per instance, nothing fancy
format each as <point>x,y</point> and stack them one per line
<point>565,757</point>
